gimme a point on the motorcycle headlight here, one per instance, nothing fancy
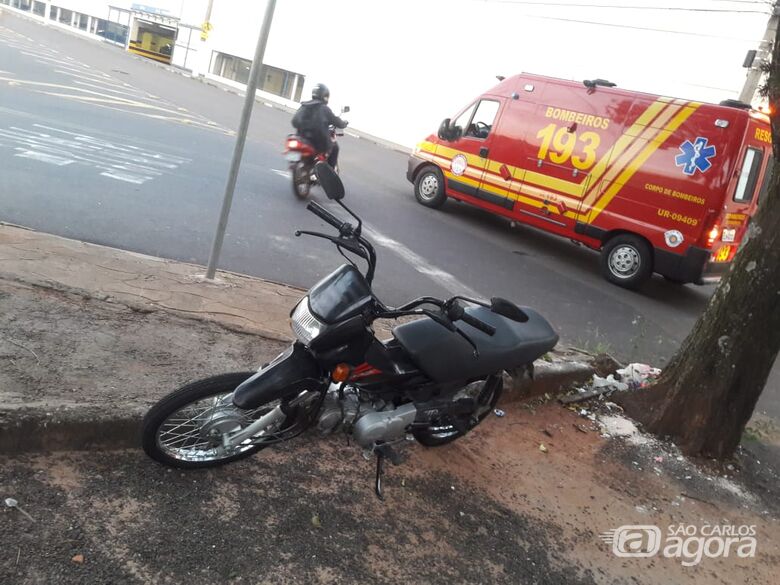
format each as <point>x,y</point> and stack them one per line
<point>305,325</point>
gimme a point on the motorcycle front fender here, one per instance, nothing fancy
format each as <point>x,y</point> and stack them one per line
<point>292,372</point>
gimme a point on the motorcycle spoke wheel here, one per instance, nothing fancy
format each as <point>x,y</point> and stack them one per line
<point>194,433</point>
<point>186,428</point>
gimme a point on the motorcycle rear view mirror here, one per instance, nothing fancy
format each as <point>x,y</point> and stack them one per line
<point>345,110</point>
<point>329,180</point>
<point>507,309</point>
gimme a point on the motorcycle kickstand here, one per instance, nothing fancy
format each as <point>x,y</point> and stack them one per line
<point>380,460</point>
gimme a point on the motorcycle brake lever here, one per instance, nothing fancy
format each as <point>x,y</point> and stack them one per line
<point>348,244</point>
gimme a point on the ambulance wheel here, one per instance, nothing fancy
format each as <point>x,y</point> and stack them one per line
<point>627,260</point>
<point>429,188</point>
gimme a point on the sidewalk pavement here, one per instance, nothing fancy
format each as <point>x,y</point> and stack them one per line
<point>239,302</point>
<point>90,336</point>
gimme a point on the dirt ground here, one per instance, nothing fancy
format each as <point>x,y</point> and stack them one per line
<point>58,347</point>
<point>491,508</point>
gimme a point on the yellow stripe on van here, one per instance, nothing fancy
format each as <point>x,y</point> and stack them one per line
<point>626,139</point>
<point>653,145</point>
<point>637,141</point>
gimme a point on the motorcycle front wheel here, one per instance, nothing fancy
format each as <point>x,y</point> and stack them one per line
<point>185,428</point>
<point>301,179</point>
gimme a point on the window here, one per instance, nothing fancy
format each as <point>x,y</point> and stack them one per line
<point>81,21</point>
<point>277,81</point>
<point>748,177</point>
<point>66,16</point>
<point>483,119</point>
<point>39,8</point>
<point>231,67</point>
<point>112,31</point>
<point>477,119</point>
<point>463,120</point>
<point>282,83</point>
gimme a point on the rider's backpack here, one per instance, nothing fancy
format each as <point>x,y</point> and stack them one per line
<point>305,118</point>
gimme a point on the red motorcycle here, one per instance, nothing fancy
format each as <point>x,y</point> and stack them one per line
<point>302,157</point>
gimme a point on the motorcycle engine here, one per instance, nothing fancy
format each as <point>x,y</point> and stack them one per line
<point>344,413</point>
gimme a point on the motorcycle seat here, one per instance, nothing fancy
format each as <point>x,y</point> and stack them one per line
<point>445,356</point>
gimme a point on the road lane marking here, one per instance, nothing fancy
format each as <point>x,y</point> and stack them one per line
<point>109,82</point>
<point>126,163</point>
<point>59,62</point>
<point>421,265</point>
<point>125,147</point>
<point>44,157</point>
<point>126,177</point>
<point>124,91</point>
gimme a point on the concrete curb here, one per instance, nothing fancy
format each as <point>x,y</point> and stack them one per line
<point>549,378</point>
<point>77,428</point>
<point>71,428</point>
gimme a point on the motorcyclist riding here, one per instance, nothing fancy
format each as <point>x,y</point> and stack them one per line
<point>313,121</point>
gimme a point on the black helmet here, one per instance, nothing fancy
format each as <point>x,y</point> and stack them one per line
<point>320,92</point>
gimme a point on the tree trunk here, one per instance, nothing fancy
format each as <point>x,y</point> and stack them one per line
<point>707,393</point>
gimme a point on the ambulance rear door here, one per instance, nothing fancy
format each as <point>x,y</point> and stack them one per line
<point>742,201</point>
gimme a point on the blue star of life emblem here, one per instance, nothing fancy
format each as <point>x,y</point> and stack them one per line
<point>695,156</point>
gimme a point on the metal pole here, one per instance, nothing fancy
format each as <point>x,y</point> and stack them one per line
<point>764,51</point>
<point>243,125</point>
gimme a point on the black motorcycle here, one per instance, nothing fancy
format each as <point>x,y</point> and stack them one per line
<point>438,378</point>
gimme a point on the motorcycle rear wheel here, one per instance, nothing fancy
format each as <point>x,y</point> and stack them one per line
<point>444,431</point>
<point>301,179</point>
<point>185,428</point>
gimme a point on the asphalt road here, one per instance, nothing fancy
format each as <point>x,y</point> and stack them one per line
<point>103,146</point>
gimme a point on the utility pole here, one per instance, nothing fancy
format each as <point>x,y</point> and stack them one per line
<point>755,71</point>
<point>206,27</point>
<point>238,150</point>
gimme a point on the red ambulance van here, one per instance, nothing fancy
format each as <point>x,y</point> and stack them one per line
<point>657,184</point>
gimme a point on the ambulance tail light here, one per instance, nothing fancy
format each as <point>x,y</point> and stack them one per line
<point>712,235</point>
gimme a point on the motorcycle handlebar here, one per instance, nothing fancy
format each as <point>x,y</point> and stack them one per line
<point>478,324</point>
<point>325,215</point>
